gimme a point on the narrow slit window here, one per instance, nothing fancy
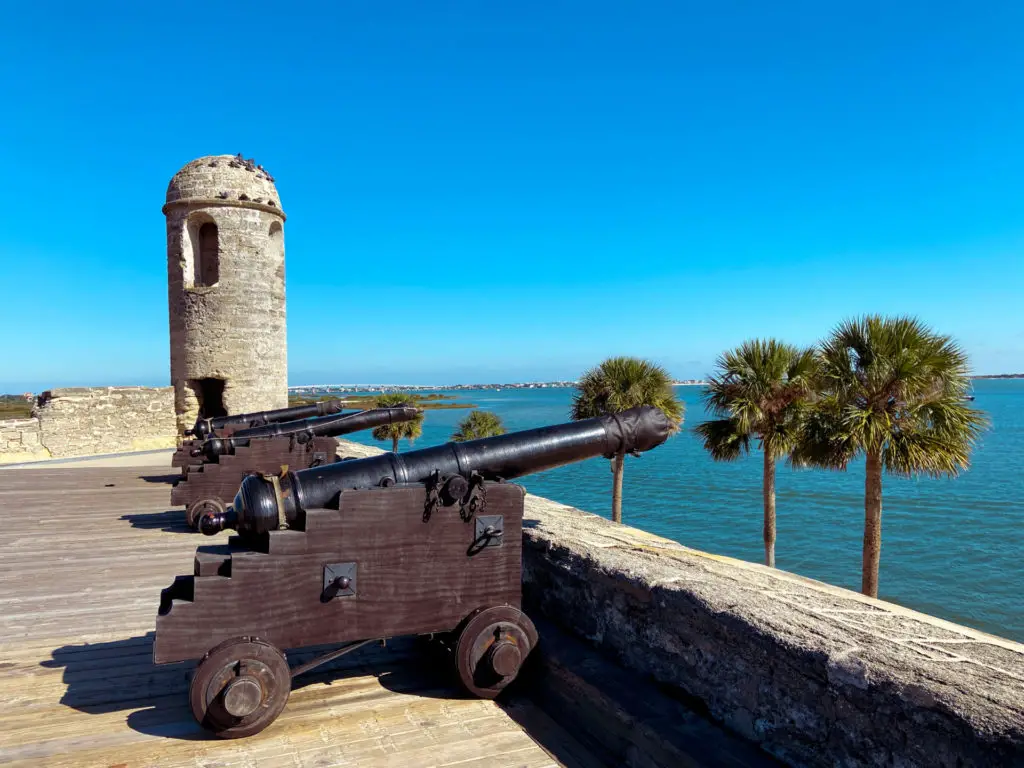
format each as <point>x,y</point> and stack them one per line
<point>207,263</point>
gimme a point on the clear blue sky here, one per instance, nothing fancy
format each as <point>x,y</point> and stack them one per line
<point>537,185</point>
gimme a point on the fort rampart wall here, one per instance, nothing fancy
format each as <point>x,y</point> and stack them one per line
<point>86,421</point>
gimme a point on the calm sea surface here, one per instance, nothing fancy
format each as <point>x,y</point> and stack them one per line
<point>952,547</point>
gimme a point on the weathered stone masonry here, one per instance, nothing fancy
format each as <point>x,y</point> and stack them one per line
<point>226,292</point>
<point>814,674</point>
<point>85,421</point>
<point>19,441</point>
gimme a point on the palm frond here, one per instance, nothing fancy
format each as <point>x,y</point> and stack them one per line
<point>893,386</point>
<point>824,439</point>
<point>408,430</point>
<point>724,439</point>
<point>621,383</point>
<point>762,388</point>
<point>477,425</point>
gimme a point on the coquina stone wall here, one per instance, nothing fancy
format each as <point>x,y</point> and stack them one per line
<point>813,674</point>
<point>20,441</point>
<point>85,421</point>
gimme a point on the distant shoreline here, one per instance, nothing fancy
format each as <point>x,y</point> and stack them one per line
<point>518,385</point>
<point>454,387</point>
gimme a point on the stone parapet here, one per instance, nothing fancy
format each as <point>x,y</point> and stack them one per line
<point>20,441</point>
<point>814,674</point>
<point>85,421</point>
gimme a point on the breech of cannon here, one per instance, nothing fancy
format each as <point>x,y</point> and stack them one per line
<point>261,502</point>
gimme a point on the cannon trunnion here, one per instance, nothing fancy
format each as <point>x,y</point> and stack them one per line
<point>388,561</point>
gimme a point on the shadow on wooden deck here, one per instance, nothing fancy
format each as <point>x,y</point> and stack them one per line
<point>167,479</point>
<point>120,676</point>
<point>172,521</point>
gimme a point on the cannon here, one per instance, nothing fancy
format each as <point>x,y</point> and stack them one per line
<point>205,427</point>
<point>223,461</point>
<point>425,543</point>
<point>224,426</point>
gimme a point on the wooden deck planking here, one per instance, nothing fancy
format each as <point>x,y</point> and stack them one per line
<point>81,569</point>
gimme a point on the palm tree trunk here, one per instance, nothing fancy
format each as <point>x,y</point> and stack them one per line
<point>769,509</point>
<point>872,523</point>
<point>394,443</point>
<point>618,464</point>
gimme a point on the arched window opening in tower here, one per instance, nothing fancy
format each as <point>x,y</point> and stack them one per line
<point>276,249</point>
<point>207,264</point>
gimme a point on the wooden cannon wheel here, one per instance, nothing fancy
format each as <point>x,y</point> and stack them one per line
<point>200,507</point>
<point>491,648</point>
<point>240,687</point>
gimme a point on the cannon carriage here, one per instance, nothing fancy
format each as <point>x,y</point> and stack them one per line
<point>220,463</point>
<point>225,426</point>
<point>423,543</point>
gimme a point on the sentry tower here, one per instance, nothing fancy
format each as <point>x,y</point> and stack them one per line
<point>225,285</point>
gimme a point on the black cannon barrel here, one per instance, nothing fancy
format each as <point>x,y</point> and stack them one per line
<point>205,427</point>
<point>508,456</point>
<point>305,430</point>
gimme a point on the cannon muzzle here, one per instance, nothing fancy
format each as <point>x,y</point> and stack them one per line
<point>255,509</point>
<point>305,430</point>
<point>203,428</point>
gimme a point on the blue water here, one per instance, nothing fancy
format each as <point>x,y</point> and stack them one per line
<point>950,547</point>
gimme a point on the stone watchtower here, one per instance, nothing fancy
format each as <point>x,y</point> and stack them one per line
<point>225,285</point>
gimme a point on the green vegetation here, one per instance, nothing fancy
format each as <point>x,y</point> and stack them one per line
<point>429,402</point>
<point>15,407</point>
<point>409,430</point>
<point>889,389</point>
<point>761,390</point>
<point>618,384</point>
<point>892,390</point>
<point>479,424</point>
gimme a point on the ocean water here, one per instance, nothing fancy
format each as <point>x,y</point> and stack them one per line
<point>950,547</point>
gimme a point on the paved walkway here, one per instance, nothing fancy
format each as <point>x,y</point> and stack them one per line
<point>161,458</point>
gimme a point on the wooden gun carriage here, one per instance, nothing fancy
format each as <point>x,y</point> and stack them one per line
<point>225,426</point>
<point>209,485</point>
<point>426,542</point>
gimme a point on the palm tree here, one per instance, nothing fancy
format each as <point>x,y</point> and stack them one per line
<point>410,430</point>
<point>761,390</point>
<point>893,390</point>
<point>618,384</point>
<point>479,424</point>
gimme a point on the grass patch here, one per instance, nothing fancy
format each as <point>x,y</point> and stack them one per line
<point>15,407</point>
